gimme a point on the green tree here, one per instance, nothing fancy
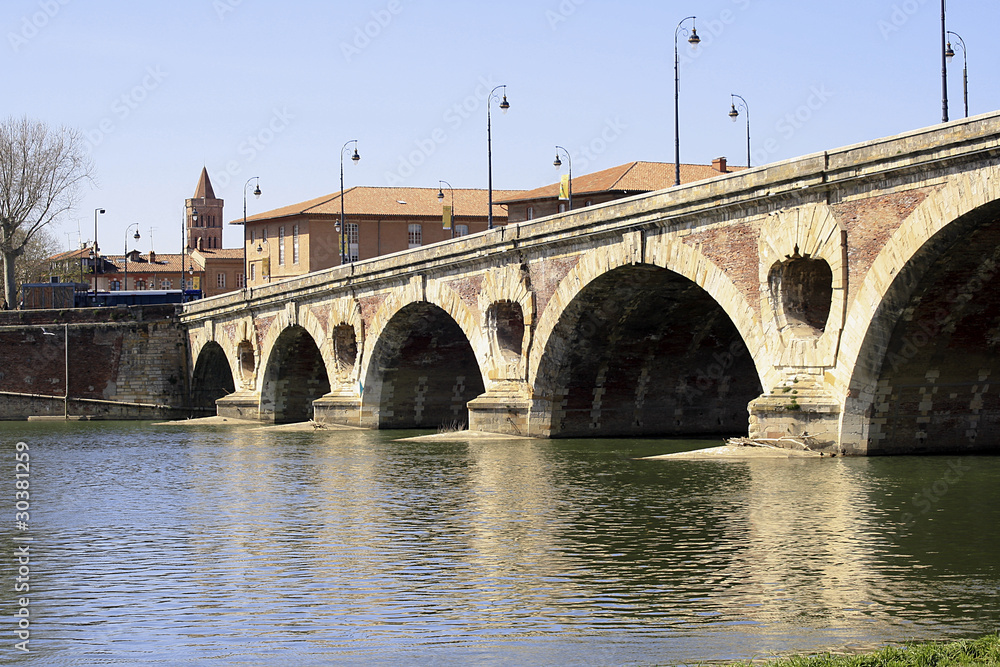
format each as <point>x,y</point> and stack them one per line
<point>41,170</point>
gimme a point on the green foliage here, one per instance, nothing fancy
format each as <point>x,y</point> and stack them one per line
<point>966,653</point>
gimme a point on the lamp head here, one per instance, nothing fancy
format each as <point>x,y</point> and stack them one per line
<point>557,162</point>
<point>733,113</point>
<point>694,39</point>
<point>256,191</point>
<point>948,52</point>
<point>504,104</point>
<point>355,157</point>
<point>194,215</point>
<point>440,194</point>
<point>336,228</point>
<point>136,235</point>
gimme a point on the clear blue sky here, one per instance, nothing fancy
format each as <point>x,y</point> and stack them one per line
<point>275,89</point>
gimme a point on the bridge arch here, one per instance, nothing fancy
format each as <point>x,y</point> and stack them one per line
<point>294,376</point>
<point>606,358</point>
<point>212,377</point>
<point>918,366</point>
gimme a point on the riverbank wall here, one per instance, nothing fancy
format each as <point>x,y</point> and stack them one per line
<point>108,363</point>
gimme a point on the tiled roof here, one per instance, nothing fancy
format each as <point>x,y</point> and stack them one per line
<point>632,177</point>
<point>204,188</point>
<point>385,202</point>
<point>219,253</point>
<point>82,253</point>
<point>165,263</point>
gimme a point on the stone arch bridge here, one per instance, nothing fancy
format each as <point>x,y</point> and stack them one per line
<point>848,296</point>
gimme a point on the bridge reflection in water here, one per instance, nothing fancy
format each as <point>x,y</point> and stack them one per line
<point>349,546</point>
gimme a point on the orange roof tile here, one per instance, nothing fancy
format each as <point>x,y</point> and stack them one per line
<point>632,177</point>
<point>384,202</point>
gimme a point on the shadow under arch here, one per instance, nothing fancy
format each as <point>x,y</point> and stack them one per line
<point>212,378</point>
<point>643,351</point>
<point>294,377</point>
<point>932,350</point>
<point>422,372</point>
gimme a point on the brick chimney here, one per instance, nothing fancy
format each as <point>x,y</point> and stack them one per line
<point>719,164</point>
<point>152,257</point>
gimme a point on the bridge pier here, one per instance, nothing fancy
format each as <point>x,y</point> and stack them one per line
<point>340,406</point>
<point>239,405</point>
<point>798,409</point>
<point>505,408</point>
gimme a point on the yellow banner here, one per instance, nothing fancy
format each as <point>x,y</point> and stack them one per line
<point>446,217</point>
<point>265,266</point>
<point>564,187</point>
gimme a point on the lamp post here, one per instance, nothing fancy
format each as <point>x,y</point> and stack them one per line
<point>734,114</point>
<point>136,237</point>
<point>504,105</point>
<point>694,40</point>
<point>341,226</point>
<point>256,193</point>
<point>95,253</point>
<point>944,68</point>
<point>949,54</point>
<point>558,163</point>
<point>441,184</point>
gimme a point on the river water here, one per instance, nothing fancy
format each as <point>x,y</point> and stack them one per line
<point>225,545</point>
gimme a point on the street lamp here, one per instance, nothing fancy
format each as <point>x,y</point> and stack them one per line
<point>558,163</point>
<point>944,68</point>
<point>256,193</point>
<point>693,40</point>
<point>341,227</point>
<point>734,114</point>
<point>95,253</point>
<point>504,105</point>
<point>441,184</point>
<point>949,54</point>
<point>136,237</point>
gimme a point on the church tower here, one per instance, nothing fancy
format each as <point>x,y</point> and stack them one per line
<point>205,232</point>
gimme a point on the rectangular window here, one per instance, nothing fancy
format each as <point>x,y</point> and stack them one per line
<point>251,236</point>
<point>461,230</point>
<point>416,234</point>
<point>281,246</point>
<point>240,280</point>
<point>353,234</point>
<point>253,272</point>
<point>220,280</point>
<point>295,244</point>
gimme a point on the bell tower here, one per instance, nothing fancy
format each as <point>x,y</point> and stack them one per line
<point>205,232</point>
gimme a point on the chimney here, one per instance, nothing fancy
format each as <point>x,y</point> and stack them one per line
<point>152,257</point>
<point>719,164</point>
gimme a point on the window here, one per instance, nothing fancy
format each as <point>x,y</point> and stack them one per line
<point>220,280</point>
<point>530,215</point>
<point>562,207</point>
<point>115,285</point>
<point>281,245</point>
<point>416,234</point>
<point>253,272</point>
<point>240,280</point>
<point>251,236</point>
<point>589,202</point>
<point>140,284</point>
<point>352,241</point>
<point>295,244</point>
<point>461,230</point>
<point>165,283</point>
